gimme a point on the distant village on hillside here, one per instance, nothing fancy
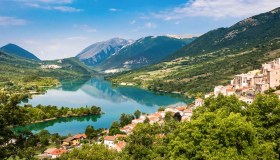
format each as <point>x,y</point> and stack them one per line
<point>247,86</point>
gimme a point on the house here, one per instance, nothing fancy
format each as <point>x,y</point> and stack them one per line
<point>120,145</point>
<point>248,100</point>
<point>109,141</point>
<point>52,153</point>
<point>74,140</point>
<point>139,120</point>
<point>198,102</point>
<point>128,128</point>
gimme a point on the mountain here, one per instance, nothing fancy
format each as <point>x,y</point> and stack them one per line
<point>213,58</point>
<point>246,33</point>
<point>14,68</point>
<point>143,52</point>
<point>98,52</point>
<point>18,51</point>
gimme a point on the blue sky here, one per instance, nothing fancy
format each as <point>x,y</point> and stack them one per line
<point>53,29</point>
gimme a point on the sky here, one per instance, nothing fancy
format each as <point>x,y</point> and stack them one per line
<point>54,29</point>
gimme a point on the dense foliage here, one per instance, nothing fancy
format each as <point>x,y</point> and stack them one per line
<point>23,143</point>
<point>224,128</point>
<point>91,152</point>
<point>38,113</point>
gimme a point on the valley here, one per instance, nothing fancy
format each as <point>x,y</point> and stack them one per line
<point>142,98</point>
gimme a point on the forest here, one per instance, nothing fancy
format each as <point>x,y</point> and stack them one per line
<point>224,128</point>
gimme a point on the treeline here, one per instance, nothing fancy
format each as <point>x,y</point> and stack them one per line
<point>224,128</point>
<point>40,112</point>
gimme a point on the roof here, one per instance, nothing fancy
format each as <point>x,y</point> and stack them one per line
<point>54,151</point>
<point>181,108</point>
<point>68,139</point>
<point>109,138</point>
<point>50,150</point>
<point>112,138</point>
<point>120,145</point>
<point>58,151</point>
<point>78,136</point>
<point>229,90</point>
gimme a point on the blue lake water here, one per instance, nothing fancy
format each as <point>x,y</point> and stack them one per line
<point>113,100</point>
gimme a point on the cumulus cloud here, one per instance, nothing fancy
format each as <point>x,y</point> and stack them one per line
<point>11,21</point>
<point>218,9</point>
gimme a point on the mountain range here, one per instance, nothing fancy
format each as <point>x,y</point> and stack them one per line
<point>213,58</point>
<point>143,52</point>
<point>98,52</point>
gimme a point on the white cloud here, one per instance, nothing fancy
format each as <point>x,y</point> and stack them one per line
<point>58,5</point>
<point>218,9</point>
<point>11,21</point>
<point>46,1</point>
<point>66,9</point>
<point>150,25</point>
<point>85,28</point>
<point>113,9</point>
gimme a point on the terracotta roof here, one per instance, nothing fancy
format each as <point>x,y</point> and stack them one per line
<point>58,151</point>
<point>120,145</point>
<point>55,151</point>
<point>181,108</point>
<point>68,139</point>
<point>112,138</point>
<point>153,118</point>
<point>50,150</point>
<point>109,138</point>
<point>229,90</point>
<point>78,136</point>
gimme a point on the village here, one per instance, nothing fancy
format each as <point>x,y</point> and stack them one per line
<point>117,142</point>
<point>247,86</point>
<point>244,86</point>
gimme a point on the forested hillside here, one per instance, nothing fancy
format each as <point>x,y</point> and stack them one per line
<point>214,58</point>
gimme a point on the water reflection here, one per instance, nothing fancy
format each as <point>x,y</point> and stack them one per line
<point>113,101</point>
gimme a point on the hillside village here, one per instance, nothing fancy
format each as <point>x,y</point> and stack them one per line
<point>117,142</point>
<point>247,86</point>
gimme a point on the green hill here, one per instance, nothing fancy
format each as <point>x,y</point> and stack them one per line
<point>213,58</point>
<point>143,52</point>
<point>18,51</point>
<point>22,75</point>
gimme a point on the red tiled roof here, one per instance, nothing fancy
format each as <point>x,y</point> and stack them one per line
<point>120,145</point>
<point>78,136</point>
<point>58,152</point>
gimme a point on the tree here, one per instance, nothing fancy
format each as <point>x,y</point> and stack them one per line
<point>91,152</point>
<point>91,132</point>
<point>137,114</point>
<point>114,128</point>
<point>126,119</point>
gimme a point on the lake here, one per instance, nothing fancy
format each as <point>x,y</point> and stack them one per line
<point>113,101</point>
